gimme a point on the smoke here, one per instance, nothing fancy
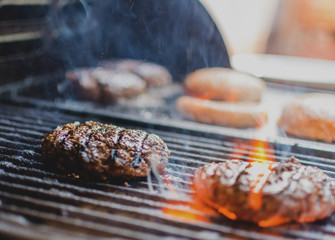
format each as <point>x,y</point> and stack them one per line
<point>72,36</point>
<point>164,182</point>
<point>177,34</point>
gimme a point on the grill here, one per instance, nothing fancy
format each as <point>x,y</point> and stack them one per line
<point>37,203</point>
<point>40,203</point>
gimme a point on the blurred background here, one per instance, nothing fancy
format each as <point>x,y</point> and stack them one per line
<point>304,28</point>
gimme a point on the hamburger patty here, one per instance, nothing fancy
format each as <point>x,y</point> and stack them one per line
<point>102,151</point>
<point>267,194</point>
<point>153,74</point>
<point>106,85</point>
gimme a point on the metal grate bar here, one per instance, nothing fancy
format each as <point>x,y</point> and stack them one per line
<point>193,143</point>
<point>199,149</point>
<point>26,230</point>
<point>100,219</point>
<point>37,187</point>
<point>28,172</point>
<point>105,209</point>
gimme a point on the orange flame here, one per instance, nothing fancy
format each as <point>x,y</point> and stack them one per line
<point>227,213</point>
<point>260,153</point>
<point>192,211</point>
<point>273,221</point>
<point>197,210</point>
<point>187,211</point>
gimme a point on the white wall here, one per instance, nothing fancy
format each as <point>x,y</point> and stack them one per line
<point>244,24</point>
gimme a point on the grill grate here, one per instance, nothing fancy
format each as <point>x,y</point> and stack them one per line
<point>35,203</point>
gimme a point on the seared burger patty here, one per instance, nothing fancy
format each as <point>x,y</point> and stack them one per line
<point>267,194</point>
<point>102,151</point>
<point>153,74</point>
<point>106,85</point>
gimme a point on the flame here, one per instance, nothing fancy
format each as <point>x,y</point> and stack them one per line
<point>261,154</point>
<point>277,220</point>
<point>199,210</point>
<point>219,208</point>
<point>192,211</point>
<point>273,221</point>
<point>227,213</point>
<point>260,157</point>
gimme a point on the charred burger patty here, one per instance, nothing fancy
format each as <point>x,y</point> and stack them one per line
<point>106,85</point>
<point>102,151</point>
<point>267,194</point>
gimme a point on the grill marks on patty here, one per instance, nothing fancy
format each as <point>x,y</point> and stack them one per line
<point>118,79</point>
<point>104,151</point>
<point>153,74</point>
<point>106,85</point>
<point>289,192</point>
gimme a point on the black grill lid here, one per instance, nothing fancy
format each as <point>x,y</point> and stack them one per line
<point>38,36</point>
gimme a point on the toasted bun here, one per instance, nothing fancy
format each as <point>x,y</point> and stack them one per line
<point>310,116</point>
<point>238,115</point>
<point>224,84</point>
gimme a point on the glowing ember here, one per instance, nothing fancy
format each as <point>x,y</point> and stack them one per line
<point>187,211</point>
<point>273,221</point>
<point>227,213</point>
<point>193,211</point>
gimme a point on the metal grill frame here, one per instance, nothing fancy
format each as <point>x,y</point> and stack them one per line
<point>35,201</point>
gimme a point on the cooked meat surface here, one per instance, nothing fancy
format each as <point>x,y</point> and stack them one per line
<point>88,86</point>
<point>267,194</point>
<point>106,85</point>
<point>121,65</point>
<point>310,116</point>
<point>102,151</point>
<point>153,74</point>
